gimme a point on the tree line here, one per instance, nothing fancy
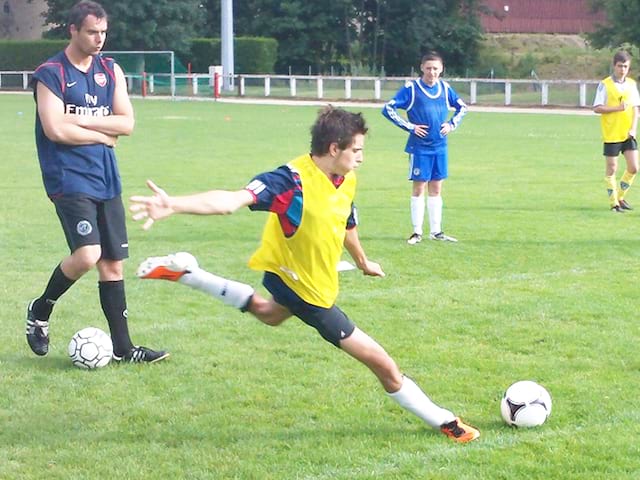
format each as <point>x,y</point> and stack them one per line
<point>356,37</point>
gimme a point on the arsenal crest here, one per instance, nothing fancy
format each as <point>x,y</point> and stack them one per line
<point>100,79</point>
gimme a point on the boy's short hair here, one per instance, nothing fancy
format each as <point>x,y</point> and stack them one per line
<point>335,125</point>
<point>621,56</point>
<point>432,56</point>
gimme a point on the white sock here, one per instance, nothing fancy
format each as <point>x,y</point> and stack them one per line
<point>417,214</point>
<point>230,292</point>
<point>434,207</point>
<point>412,398</point>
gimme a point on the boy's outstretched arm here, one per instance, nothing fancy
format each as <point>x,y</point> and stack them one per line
<point>161,205</point>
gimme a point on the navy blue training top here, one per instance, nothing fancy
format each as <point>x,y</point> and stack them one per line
<point>89,170</point>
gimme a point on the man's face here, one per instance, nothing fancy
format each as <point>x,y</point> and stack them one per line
<point>621,69</point>
<point>431,70</point>
<point>351,157</point>
<point>90,38</point>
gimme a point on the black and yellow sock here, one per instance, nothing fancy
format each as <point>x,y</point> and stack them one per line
<point>612,190</point>
<point>625,183</point>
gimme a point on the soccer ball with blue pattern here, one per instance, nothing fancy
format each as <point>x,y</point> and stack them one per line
<point>90,348</point>
<point>525,404</point>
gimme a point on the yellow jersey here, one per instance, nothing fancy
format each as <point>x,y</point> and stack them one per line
<point>616,125</point>
<point>306,261</point>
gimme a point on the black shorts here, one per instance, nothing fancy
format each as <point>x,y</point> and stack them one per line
<point>86,221</point>
<point>616,148</point>
<point>332,323</point>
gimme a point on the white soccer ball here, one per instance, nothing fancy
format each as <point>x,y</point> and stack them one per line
<point>90,348</point>
<point>525,404</point>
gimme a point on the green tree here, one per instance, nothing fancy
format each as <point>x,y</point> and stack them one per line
<point>621,27</point>
<point>410,28</point>
<point>358,35</point>
<point>309,34</point>
<point>139,24</point>
<point>211,27</point>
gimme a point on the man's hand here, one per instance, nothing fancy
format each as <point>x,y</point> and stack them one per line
<point>152,208</point>
<point>111,141</point>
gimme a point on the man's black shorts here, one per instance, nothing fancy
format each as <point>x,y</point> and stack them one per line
<point>332,323</point>
<point>616,148</point>
<point>86,221</point>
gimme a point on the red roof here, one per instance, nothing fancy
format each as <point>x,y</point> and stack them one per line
<point>539,16</point>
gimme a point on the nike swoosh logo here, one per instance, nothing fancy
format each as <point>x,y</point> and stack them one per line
<point>71,84</point>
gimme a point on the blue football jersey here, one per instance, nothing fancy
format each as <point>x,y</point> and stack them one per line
<point>429,106</point>
<point>89,170</point>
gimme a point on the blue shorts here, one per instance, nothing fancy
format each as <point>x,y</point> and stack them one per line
<point>332,323</point>
<point>424,167</point>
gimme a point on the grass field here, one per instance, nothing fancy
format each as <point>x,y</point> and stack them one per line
<point>542,286</point>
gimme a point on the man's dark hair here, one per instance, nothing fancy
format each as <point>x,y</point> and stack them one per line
<point>81,10</point>
<point>335,125</point>
<point>621,56</point>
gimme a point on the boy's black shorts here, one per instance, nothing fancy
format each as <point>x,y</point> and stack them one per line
<point>616,148</point>
<point>332,323</point>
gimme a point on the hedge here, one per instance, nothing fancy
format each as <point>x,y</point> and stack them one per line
<point>251,54</point>
<point>22,55</point>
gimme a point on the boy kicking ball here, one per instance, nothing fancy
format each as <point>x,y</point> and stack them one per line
<point>311,218</point>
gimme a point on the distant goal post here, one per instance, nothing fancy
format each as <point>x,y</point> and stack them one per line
<point>148,68</point>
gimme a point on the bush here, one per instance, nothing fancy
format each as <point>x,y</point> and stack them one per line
<point>525,66</point>
<point>204,52</point>
<point>489,61</point>
<point>252,54</point>
<point>255,55</point>
<point>27,55</point>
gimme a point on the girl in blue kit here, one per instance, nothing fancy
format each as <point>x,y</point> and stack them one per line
<point>427,102</point>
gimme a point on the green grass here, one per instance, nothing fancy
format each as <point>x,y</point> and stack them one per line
<point>552,56</point>
<point>541,286</point>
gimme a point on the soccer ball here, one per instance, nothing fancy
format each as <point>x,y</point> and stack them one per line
<point>525,404</point>
<point>90,348</point>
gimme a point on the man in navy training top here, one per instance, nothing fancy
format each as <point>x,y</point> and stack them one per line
<point>427,102</point>
<point>82,108</point>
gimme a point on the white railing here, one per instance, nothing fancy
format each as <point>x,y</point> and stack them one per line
<point>12,80</point>
<point>480,91</point>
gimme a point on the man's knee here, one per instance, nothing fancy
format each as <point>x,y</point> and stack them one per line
<point>81,261</point>
<point>110,270</point>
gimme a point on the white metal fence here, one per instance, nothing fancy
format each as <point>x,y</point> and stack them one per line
<point>476,91</point>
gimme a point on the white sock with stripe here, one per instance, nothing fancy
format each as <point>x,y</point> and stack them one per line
<point>412,398</point>
<point>434,207</point>
<point>417,214</point>
<point>230,292</point>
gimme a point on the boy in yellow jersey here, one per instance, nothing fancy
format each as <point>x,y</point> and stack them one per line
<point>617,101</point>
<point>311,218</point>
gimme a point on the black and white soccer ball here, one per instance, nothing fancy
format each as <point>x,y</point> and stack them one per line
<point>90,348</point>
<point>525,404</point>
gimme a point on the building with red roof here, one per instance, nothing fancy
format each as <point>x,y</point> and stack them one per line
<point>539,16</point>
